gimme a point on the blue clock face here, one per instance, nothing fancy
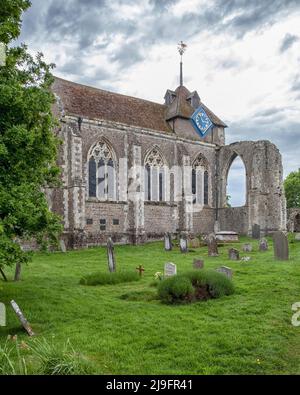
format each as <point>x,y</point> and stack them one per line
<point>201,121</point>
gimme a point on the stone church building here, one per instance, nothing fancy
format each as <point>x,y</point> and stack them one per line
<point>133,169</point>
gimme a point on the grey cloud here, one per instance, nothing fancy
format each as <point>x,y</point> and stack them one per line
<point>79,22</point>
<point>287,42</point>
<point>285,134</point>
<point>296,84</point>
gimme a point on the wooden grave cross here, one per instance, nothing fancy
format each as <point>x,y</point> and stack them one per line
<point>140,270</point>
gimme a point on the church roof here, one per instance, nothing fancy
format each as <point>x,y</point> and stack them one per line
<point>88,102</point>
<point>93,103</point>
<point>181,107</point>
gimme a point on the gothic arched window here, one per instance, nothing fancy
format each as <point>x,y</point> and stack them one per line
<point>200,181</point>
<point>155,177</point>
<point>102,172</point>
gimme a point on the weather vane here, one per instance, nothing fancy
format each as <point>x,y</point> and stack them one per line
<point>181,49</point>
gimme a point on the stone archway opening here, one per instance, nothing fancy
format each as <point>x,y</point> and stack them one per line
<point>297,223</point>
<point>236,186</point>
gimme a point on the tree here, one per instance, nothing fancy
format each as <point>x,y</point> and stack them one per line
<point>28,146</point>
<point>292,189</point>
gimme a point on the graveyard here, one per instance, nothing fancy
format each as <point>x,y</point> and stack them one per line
<point>123,328</point>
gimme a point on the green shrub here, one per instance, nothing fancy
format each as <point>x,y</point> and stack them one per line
<point>218,284</point>
<point>109,278</point>
<point>195,285</point>
<point>176,289</point>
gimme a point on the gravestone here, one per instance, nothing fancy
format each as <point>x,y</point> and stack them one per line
<point>297,236</point>
<point>18,272</point>
<point>225,270</point>
<point>168,242</point>
<point>212,245</point>
<point>233,254</point>
<point>247,247</point>
<point>183,243</point>
<point>111,256</point>
<point>63,246</point>
<point>281,246</point>
<point>170,269</point>
<point>263,245</point>
<point>194,243</point>
<point>198,264</point>
<point>21,317</point>
<point>227,236</point>
<point>256,231</point>
<point>2,314</point>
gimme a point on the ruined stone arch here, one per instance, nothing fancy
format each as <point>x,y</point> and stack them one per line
<point>265,201</point>
<point>156,176</point>
<point>102,171</point>
<point>235,155</point>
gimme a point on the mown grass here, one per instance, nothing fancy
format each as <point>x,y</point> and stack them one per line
<point>109,278</point>
<point>125,329</point>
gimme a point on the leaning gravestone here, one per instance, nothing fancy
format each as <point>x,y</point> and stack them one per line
<point>297,236</point>
<point>256,231</point>
<point>168,242</point>
<point>281,246</point>
<point>198,264</point>
<point>2,314</point>
<point>225,270</point>
<point>111,256</point>
<point>233,254</point>
<point>212,245</point>
<point>63,246</point>
<point>263,245</point>
<point>170,269</point>
<point>247,247</point>
<point>21,317</point>
<point>183,243</point>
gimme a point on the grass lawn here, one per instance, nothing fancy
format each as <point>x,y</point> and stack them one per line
<point>249,332</point>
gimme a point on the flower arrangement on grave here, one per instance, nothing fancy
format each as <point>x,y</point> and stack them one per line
<point>158,276</point>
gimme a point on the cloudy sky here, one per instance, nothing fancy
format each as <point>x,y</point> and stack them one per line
<point>243,58</point>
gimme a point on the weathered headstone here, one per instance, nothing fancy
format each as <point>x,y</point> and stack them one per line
<point>183,243</point>
<point>233,254</point>
<point>198,264</point>
<point>227,236</point>
<point>21,317</point>
<point>247,247</point>
<point>63,246</point>
<point>212,245</point>
<point>111,256</point>
<point>168,242</point>
<point>2,314</point>
<point>281,246</point>
<point>225,270</point>
<point>18,272</point>
<point>256,231</point>
<point>194,243</point>
<point>263,245</point>
<point>170,269</point>
<point>297,236</point>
